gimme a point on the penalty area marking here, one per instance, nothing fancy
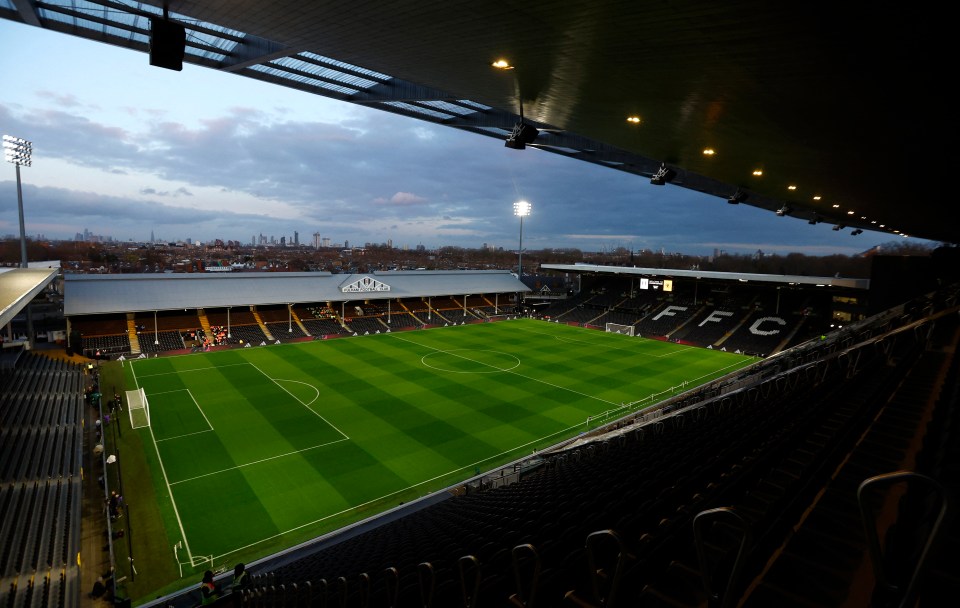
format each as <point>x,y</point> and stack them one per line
<point>194,399</point>
<point>306,405</point>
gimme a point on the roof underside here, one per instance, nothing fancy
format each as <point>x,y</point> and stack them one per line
<point>841,100</point>
<point>19,286</point>
<point>85,294</point>
<point>778,279</point>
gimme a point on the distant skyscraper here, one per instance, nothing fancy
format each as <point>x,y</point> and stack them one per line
<point>316,240</point>
<point>296,237</point>
<point>151,237</point>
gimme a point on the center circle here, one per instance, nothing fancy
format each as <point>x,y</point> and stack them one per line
<point>468,361</point>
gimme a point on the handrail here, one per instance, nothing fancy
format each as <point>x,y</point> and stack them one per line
<point>720,597</point>
<point>906,593</point>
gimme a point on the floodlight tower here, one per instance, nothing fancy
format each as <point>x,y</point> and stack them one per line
<point>19,152</point>
<point>521,209</point>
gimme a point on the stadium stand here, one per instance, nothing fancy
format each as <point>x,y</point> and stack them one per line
<point>161,341</point>
<point>367,325</point>
<point>403,320</point>
<point>755,491</point>
<point>41,408</point>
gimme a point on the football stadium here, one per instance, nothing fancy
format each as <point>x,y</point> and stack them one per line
<point>584,435</point>
<point>616,429</point>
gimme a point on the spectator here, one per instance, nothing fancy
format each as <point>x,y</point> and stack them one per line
<point>208,590</point>
<point>240,577</point>
<point>114,504</point>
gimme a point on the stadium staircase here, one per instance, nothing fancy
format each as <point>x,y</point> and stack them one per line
<point>299,323</point>
<point>263,326</point>
<point>204,322</point>
<point>719,343</point>
<point>132,334</point>
<point>684,327</point>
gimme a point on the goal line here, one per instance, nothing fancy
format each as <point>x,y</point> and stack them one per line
<point>139,409</point>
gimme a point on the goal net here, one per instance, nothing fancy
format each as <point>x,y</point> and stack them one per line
<point>139,409</point>
<point>619,328</point>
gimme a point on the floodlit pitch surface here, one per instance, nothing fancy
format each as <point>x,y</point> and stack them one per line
<point>264,447</point>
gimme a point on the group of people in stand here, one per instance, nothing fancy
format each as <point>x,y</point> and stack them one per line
<point>210,591</point>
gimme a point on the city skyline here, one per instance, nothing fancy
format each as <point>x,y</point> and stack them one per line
<point>126,148</point>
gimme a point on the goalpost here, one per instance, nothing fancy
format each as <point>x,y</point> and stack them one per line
<point>139,409</point>
<point>619,328</point>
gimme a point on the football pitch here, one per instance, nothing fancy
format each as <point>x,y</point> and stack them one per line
<point>257,449</point>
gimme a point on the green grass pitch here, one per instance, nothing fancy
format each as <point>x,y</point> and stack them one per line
<point>257,449</point>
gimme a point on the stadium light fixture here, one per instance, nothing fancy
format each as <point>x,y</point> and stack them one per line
<point>521,135</point>
<point>19,152</point>
<point>856,232</point>
<point>521,209</point>
<point>737,197</point>
<point>663,175</point>
<point>839,227</point>
<point>785,210</point>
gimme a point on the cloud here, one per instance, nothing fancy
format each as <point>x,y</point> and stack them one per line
<point>401,199</point>
<point>175,193</point>
<point>179,154</point>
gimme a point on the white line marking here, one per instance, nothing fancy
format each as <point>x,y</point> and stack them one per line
<point>596,343</point>
<point>182,436</point>
<point>313,411</point>
<point>163,470</point>
<point>197,369</point>
<point>508,371</point>
<point>247,464</point>
<point>315,389</point>
<point>385,496</point>
<point>199,408</point>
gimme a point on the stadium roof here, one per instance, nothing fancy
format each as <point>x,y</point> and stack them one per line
<point>842,102</point>
<point>87,294</point>
<point>18,286</point>
<point>780,279</point>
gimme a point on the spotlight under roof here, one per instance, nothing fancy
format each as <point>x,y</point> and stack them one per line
<point>663,175</point>
<point>522,135</point>
<point>737,197</point>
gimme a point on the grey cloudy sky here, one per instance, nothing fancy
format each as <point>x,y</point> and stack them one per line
<point>122,149</point>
